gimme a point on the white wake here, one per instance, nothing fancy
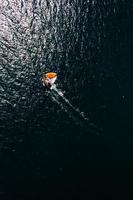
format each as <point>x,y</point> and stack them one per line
<point>73,112</point>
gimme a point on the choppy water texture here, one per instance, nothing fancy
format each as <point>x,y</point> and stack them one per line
<point>80,138</point>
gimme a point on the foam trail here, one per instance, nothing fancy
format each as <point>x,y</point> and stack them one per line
<point>63,102</point>
<point>73,112</point>
<point>63,107</point>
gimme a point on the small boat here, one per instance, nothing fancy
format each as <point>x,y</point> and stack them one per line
<point>49,79</point>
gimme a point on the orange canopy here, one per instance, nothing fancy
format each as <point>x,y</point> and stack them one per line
<point>51,75</point>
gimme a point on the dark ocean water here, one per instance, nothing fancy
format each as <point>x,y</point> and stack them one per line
<point>45,150</point>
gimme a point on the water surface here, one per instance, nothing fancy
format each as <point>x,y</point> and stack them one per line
<point>42,146</point>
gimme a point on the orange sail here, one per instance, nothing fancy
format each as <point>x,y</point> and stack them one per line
<point>51,75</point>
